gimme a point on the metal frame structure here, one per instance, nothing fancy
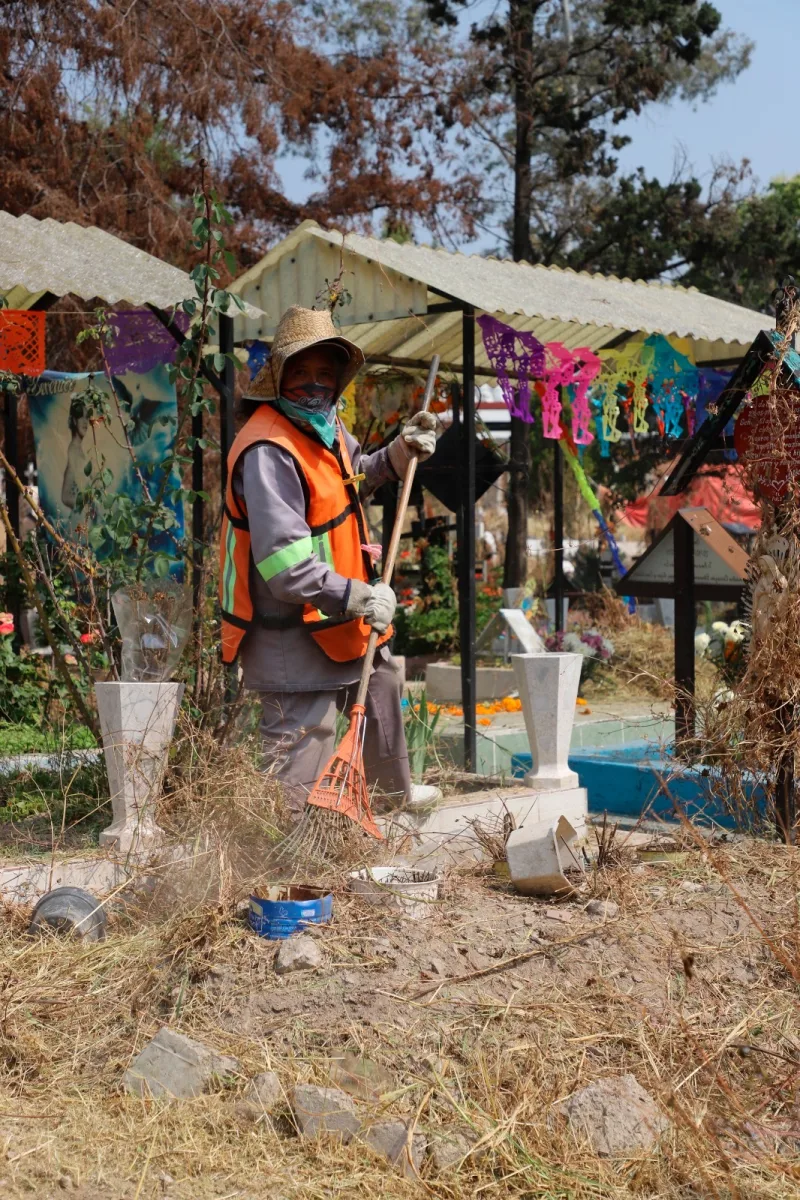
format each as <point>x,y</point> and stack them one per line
<point>408,302</point>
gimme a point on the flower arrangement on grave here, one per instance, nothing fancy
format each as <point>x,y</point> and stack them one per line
<point>589,643</point>
<point>726,647</point>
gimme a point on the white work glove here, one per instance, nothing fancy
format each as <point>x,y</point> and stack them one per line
<point>374,602</point>
<point>417,439</point>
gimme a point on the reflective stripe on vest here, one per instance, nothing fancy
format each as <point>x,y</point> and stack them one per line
<point>337,532</point>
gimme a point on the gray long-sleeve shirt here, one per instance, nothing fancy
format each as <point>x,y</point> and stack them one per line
<point>268,481</point>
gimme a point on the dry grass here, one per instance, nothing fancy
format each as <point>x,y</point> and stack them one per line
<point>668,991</point>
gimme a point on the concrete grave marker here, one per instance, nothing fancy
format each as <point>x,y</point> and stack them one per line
<point>548,688</point>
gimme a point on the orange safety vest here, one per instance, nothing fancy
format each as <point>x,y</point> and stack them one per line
<point>337,532</point>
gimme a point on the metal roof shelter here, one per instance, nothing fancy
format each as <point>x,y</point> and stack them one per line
<point>409,302</point>
<point>40,261</point>
<point>404,285</point>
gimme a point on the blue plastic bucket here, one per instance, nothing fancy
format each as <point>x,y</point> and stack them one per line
<point>287,910</point>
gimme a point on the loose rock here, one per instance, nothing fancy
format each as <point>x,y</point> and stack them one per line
<point>617,1116</point>
<point>558,914</point>
<point>298,954</point>
<point>360,1077</point>
<point>390,1138</point>
<point>263,1093</point>
<point>324,1110</point>
<point>172,1064</point>
<point>602,908</point>
<point>448,1149</point>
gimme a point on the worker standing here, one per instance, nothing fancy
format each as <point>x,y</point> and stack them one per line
<point>297,578</point>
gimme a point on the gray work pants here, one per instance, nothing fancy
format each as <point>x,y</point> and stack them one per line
<point>299,729</point>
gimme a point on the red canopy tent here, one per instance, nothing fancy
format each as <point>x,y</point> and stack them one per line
<point>719,489</point>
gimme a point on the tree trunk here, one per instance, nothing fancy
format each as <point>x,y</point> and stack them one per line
<point>520,19</point>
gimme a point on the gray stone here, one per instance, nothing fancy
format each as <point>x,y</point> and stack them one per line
<point>390,1138</point>
<point>602,908</point>
<point>449,1149</point>
<point>300,953</point>
<point>617,1116</point>
<point>324,1110</point>
<point>172,1064</point>
<point>264,1092</point>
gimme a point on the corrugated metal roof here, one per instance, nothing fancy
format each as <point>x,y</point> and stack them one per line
<point>391,288</point>
<point>48,256</point>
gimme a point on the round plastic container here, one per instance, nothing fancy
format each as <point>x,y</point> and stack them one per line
<point>413,893</point>
<point>287,910</point>
<point>70,910</point>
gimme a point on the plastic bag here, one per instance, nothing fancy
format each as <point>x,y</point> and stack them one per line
<point>155,620</point>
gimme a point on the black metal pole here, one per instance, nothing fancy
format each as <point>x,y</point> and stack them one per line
<point>13,590</point>
<point>228,380</point>
<point>685,619</point>
<point>466,555</point>
<point>558,536</point>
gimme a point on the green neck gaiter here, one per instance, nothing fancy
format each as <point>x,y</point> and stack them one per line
<point>322,424</point>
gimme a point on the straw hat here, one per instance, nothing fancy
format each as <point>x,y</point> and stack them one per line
<point>298,329</point>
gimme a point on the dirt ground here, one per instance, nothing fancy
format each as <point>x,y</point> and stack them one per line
<point>483,1016</point>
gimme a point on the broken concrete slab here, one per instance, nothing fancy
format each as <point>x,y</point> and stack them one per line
<point>299,953</point>
<point>322,1110</point>
<point>174,1065</point>
<point>453,821</point>
<point>617,1116</point>
<point>539,855</point>
<point>391,1138</point>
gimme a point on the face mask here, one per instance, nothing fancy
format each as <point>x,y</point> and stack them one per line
<point>322,423</point>
<point>316,397</point>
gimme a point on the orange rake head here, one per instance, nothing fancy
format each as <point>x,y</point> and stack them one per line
<point>342,787</point>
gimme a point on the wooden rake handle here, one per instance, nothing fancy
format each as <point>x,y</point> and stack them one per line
<point>394,544</point>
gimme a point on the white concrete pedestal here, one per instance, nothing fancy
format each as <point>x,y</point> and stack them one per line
<point>137,721</point>
<point>548,688</point>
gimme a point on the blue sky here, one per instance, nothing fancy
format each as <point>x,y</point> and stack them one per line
<point>750,118</point>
